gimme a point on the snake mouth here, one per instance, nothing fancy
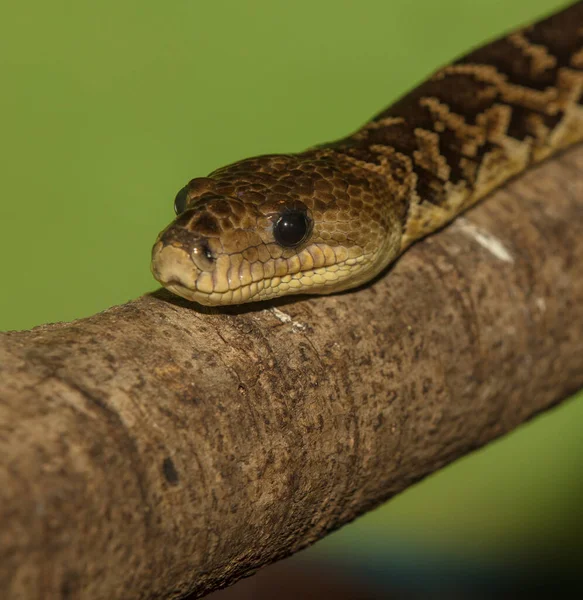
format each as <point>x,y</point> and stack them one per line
<point>319,269</point>
<point>187,293</point>
<point>316,281</point>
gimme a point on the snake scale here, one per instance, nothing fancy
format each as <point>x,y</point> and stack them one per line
<point>333,217</point>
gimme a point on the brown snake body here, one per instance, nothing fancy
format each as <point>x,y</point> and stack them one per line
<point>335,216</point>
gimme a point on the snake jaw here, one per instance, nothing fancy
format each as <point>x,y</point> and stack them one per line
<point>316,269</point>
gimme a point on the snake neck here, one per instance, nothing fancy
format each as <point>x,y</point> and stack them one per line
<point>476,123</point>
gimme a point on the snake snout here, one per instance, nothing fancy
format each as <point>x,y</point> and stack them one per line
<point>196,246</point>
<point>179,258</point>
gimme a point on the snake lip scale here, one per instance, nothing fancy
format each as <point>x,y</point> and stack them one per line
<point>333,217</point>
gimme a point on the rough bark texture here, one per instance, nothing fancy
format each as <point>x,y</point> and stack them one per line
<point>155,449</point>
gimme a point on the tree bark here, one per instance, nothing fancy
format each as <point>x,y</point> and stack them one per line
<point>159,448</point>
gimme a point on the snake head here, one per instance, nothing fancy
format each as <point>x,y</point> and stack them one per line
<point>272,226</point>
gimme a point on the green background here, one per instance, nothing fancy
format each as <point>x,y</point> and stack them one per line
<point>107,108</point>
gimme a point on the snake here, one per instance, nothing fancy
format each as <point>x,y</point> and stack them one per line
<point>335,216</point>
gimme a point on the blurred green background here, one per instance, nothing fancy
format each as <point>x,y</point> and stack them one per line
<point>108,108</point>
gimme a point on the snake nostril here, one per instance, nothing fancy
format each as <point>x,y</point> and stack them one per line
<point>203,256</point>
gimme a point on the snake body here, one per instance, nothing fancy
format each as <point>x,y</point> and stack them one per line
<point>333,217</point>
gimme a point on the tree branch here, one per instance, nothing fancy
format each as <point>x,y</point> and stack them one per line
<point>155,449</point>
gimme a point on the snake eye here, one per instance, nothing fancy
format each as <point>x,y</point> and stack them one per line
<point>291,228</point>
<point>181,200</point>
